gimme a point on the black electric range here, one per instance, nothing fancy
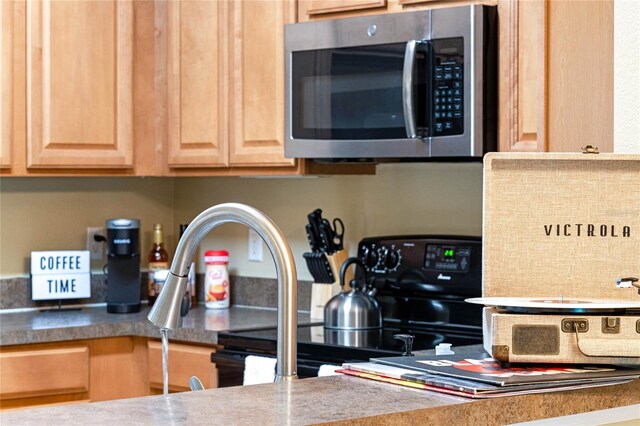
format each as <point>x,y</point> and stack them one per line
<point>421,284</point>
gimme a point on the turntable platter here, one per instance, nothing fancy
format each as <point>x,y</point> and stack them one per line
<point>555,304</point>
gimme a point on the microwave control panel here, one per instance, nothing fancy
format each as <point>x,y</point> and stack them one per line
<point>447,84</point>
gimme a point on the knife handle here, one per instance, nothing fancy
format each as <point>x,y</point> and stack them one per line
<point>313,238</point>
<point>326,236</point>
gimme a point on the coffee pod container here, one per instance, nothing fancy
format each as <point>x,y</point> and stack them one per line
<point>216,280</point>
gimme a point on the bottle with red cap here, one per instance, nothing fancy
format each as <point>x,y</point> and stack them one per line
<point>216,280</point>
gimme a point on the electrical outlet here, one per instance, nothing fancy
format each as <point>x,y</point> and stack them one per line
<point>96,248</point>
<point>255,246</point>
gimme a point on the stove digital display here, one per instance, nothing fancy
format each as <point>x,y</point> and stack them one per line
<point>449,258</point>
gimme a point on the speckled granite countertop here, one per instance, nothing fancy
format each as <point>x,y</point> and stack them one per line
<point>200,326</point>
<point>336,400</point>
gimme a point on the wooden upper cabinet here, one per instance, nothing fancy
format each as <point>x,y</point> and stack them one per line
<point>580,75</point>
<point>556,75</point>
<point>522,75</point>
<point>256,89</point>
<point>80,84</point>
<point>196,80</point>
<point>6,79</point>
<point>319,7</point>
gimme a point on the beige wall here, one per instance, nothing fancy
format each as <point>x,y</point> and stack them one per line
<point>626,78</point>
<point>400,199</point>
<point>53,214</point>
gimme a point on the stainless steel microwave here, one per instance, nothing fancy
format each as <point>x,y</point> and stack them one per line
<point>406,86</point>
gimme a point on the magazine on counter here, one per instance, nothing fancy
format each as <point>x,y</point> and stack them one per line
<point>453,386</point>
<point>481,368</point>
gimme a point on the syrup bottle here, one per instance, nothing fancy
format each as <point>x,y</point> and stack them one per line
<point>158,259</point>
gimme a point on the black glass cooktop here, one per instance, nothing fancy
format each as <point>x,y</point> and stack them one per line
<point>314,341</point>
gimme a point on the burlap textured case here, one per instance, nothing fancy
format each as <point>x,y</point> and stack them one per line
<point>561,225</point>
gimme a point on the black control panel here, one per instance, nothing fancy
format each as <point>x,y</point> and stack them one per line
<point>424,263</point>
<point>447,257</point>
<point>447,82</point>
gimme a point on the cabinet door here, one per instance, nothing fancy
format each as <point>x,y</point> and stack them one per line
<point>79,84</point>
<point>184,361</point>
<point>522,75</point>
<point>580,75</point>
<point>256,93</point>
<point>556,75</point>
<point>43,374</point>
<point>320,7</point>
<point>196,80</point>
<point>6,79</point>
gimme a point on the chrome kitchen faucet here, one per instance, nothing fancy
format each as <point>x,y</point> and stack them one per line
<point>166,311</point>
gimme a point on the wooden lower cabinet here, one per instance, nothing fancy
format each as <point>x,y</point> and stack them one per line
<point>184,361</point>
<point>58,373</point>
<point>96,370</point>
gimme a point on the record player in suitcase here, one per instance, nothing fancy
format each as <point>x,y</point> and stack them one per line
<point>561,247</point>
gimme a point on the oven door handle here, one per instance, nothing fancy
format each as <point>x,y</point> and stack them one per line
<point>407,88</point>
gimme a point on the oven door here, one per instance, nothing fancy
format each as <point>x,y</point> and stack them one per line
<point>230,366</point>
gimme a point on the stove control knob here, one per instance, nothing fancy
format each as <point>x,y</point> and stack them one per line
<point>383,253</point>
<point>392,259</point>
<point>369,257</point>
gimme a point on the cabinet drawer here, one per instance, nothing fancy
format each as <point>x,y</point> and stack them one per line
<point>184,361</point>
<point>41,372</point>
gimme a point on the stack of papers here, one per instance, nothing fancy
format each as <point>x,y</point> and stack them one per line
<point>480,376</point>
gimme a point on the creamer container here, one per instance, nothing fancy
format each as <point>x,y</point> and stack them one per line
<point>216,280</point>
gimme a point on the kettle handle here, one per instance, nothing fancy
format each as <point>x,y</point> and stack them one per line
<point>343,270</point>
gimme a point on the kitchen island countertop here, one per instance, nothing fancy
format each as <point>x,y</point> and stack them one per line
<point>335,399</point>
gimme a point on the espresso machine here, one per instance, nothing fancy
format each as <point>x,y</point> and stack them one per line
<point>123,266</point>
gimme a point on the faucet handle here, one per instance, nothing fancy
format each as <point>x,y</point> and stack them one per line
<point>185,305</point>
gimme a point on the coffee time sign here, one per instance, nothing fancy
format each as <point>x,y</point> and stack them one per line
<point>60,275</point>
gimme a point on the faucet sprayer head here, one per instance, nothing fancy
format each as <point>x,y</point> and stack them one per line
<point>166,312</point>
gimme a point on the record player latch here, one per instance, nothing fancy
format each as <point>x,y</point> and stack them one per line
<point>610,325</point>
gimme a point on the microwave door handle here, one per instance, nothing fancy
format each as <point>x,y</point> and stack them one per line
<point>407,89</point>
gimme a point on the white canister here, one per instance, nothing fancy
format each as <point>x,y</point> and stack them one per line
<point>216,280</point>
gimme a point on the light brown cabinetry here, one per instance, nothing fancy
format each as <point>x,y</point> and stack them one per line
<point>145,88</point>
<point>67,372</point>
<point>184,361</point>
<point>321,7</point>
<point>69,85</point>
<point>225,79</point>
<point>97,370</point>
<point>309,10</point>
<point>556,75</point>
<point>26,373</point>
<point>79,84</point>
<point>196,82</point>
<point>6,80</point>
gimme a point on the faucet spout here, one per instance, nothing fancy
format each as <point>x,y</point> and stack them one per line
<point>166,312</point>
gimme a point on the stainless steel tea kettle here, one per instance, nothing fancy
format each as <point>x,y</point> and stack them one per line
<point>356,309</point>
